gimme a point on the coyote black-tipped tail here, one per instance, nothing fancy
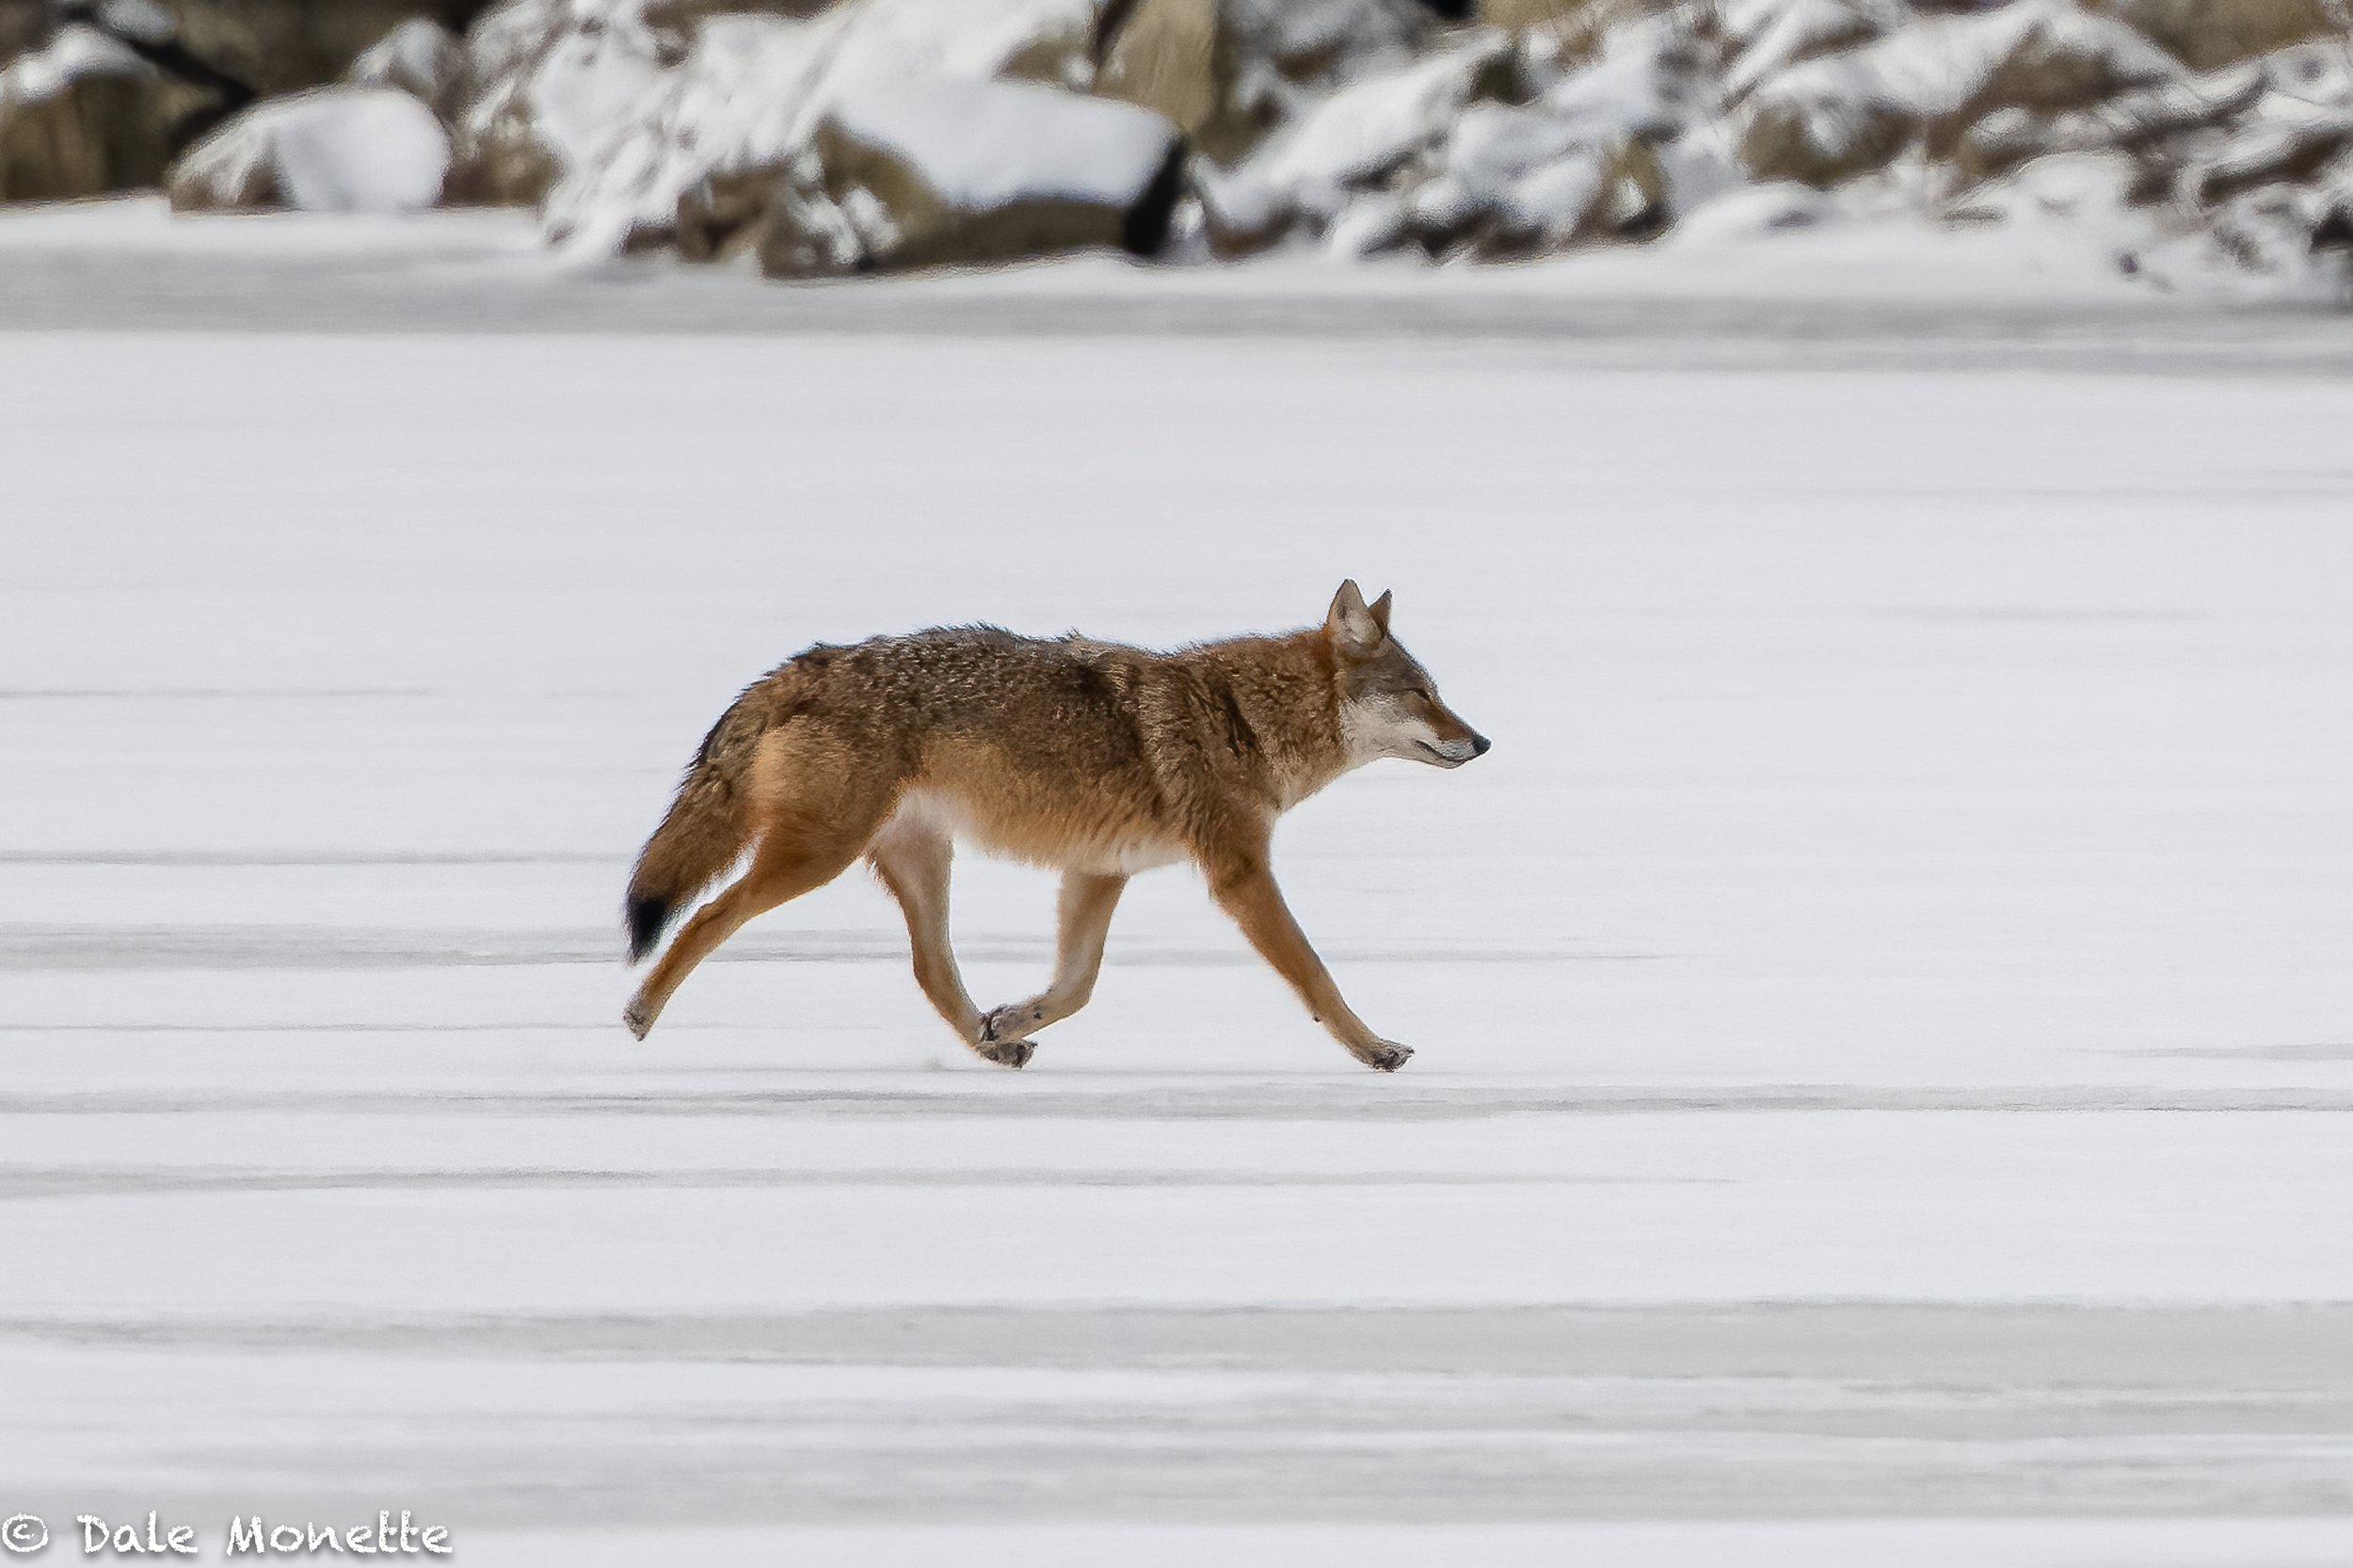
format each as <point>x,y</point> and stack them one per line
<point>708,826</point>
<point>700,837</point>
<point>648,917</point>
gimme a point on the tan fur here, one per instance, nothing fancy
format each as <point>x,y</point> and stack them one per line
<point>1093,759</point>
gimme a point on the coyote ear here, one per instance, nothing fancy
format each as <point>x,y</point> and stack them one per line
<point>1381,612</point>
<point>1351,625</point>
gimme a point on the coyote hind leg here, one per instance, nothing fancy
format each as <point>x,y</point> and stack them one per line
<point>912,857</point>
<point>786,865</point>
<point>1085,921</point>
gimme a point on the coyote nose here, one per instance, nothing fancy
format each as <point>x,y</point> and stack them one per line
<point>1480,744</point>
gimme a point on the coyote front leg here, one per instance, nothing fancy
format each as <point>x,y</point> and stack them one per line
<point>1085,920</point>
<point>1248,893</point>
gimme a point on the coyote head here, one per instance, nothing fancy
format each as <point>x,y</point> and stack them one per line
<point>1389,706</point>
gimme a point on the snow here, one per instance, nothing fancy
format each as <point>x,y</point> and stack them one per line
<point>980,145</point>
<point>1782,31</point>
<point>334,150</point>
<point>1365,128</point>
<point>1934,66</point>
<point>76,50</point>
<point>586,85</point>
<point>1881,1095</point>
<point>1631,88</point>
<point>953,37</point>
<point>745,96</point>
<point>1749,212</point>
<point>1541,167</point>
<point>573,73</point>
<point>1352,36</point>
<point>1979,293</point>
<point>418,57</point>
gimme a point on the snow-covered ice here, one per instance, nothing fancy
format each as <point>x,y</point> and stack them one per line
<point>1882,1091</point>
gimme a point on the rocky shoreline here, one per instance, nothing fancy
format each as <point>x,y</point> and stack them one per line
<point>2167,137</point>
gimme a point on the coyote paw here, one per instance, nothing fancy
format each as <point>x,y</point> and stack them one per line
<point>1012,1021</point>
<point>638,1017</point>
<point>1385,1056</point>
<point>1007,1053</point>
<point>1002,1034</point>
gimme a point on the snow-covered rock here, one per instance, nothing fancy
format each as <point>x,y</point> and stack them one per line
<point>750,92</point>
<point>2282,153</point>
<point>1353,141</point>
<point>83,116</point>
<point>333,149</point>
<point>1456,154</point>
<point>1773,37</point>
<point>1368,128</point>
<point>1747,211</point>
<point>951,172</point>
<point>741,107</point>
<point>2130,122</point>
<point>1832,117</point>
<point>547,84</point>
<point>418,57</point>
<point>868,135</point>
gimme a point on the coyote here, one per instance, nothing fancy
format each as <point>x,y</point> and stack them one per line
<point>1097,760</point>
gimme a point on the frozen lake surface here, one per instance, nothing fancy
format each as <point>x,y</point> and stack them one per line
<point>1885,1075</point>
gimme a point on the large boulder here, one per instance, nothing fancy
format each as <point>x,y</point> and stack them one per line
<point>946,172</point>
<point>745,100</point>
<point>332,149</point>
<point>741,111</point>
<point>85,116</point>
